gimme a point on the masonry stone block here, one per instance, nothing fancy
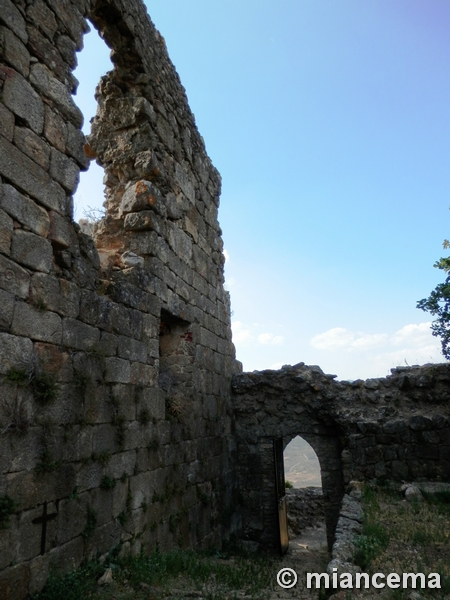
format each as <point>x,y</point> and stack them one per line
<point>102,502</point>
<point>122,463</point>
<point>50,87</point>
<point>78,335</point>
<point>61,230</point>
<point>144,220</point>
<point>21,99</point>
<point>14,582</point>
<point>29,177</point>
<point>6,230</point>
<point>31,534</point>
<point>13,19</point>
<point>14,351</point>
<point>72,517</point>
<point>75,146</point>
<point>8,543</point>
<point>142,196</point>
<point>117,370</point>
<point>89,476</point>
<point>39,325</point>
<point>132,349</point>
<point>33,146</point>
<point>144,243</point>
<point>127,321</point>
<point>7,301</point>
<point>108,343</point>
<point>24,210</point>
<point>55,129</point>
<point>141,374</point>
<point>14,51</point>
<point>13,278</point>
<point>59,295</point>
<point>32,251</point>
<point>6,123</point>
<point>43,49</point>
<point>64,170</point>
<point>43,17</point>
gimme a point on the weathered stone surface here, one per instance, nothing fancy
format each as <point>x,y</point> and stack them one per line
<point>6,123</point>
<point>55,129</point>
<point>38,324</point>
<point>24,210</point>
<point>142,195</point>
<point>117,370</point>
<point>30,177</point>
<point>79,335</point>
<point>69,14</point>
<point>12,17</point>
<point>131,349</point>
<point>43,17</point>
<point>13,278</point>
<point>98,331</point>
<point>6,230</point>
<point>21,99</point>
<point>33,146</point>
<point>58,295</point>
<point>6,309</point>
<point>14,51</point>
<point>14,351</point>
<point>50,87</point>
<point>32,251</point>
<point>75,146</point>
<point>64,170</point>
<point>61,230</point>
<point>14,582</point>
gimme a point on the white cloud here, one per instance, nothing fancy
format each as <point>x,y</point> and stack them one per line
<point>241,332</point>
<point>410,345</point>
<point>413,335</point>
<point>369,341</point>
<point>270,339</point>
<point>248,335</point>
<point>338,337</point>
<point>226,255</point>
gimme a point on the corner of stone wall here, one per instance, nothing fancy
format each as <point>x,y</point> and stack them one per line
<point>116,354</point>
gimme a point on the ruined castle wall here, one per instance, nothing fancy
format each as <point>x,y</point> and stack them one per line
<point>395,428</point>
<point>115,355</point>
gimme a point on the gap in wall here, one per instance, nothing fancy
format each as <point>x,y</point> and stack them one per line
<point>93,63</point>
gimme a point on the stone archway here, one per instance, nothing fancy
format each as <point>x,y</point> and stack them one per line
<point>273,405</point>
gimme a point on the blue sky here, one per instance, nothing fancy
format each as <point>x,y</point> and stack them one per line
<point>330,125</point>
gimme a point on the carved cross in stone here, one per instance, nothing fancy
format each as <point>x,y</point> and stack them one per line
<point>44,520</point>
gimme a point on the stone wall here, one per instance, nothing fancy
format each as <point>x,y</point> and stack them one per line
<point>115,354</point>
<point>394,428</point>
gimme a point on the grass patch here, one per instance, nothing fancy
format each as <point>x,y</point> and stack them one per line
<point>47,463</point>
<point>405,537</point>
<point>17,376</point>
<point>78,585</point>
<point>44,387</point>
<point>214,576</point>
<point>107,483</point>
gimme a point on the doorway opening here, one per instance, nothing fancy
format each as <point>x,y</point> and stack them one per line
<point>304,497</point>
<point>301,465</point>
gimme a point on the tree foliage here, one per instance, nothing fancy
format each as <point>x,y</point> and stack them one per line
<point>438,304</point>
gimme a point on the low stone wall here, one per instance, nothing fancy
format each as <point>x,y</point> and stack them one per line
<point>396,428</point>
<point>304,509</point>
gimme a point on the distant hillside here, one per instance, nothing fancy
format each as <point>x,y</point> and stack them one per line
<point>301,464</point>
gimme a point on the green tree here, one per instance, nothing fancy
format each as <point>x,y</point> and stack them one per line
<point>438,304</point>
